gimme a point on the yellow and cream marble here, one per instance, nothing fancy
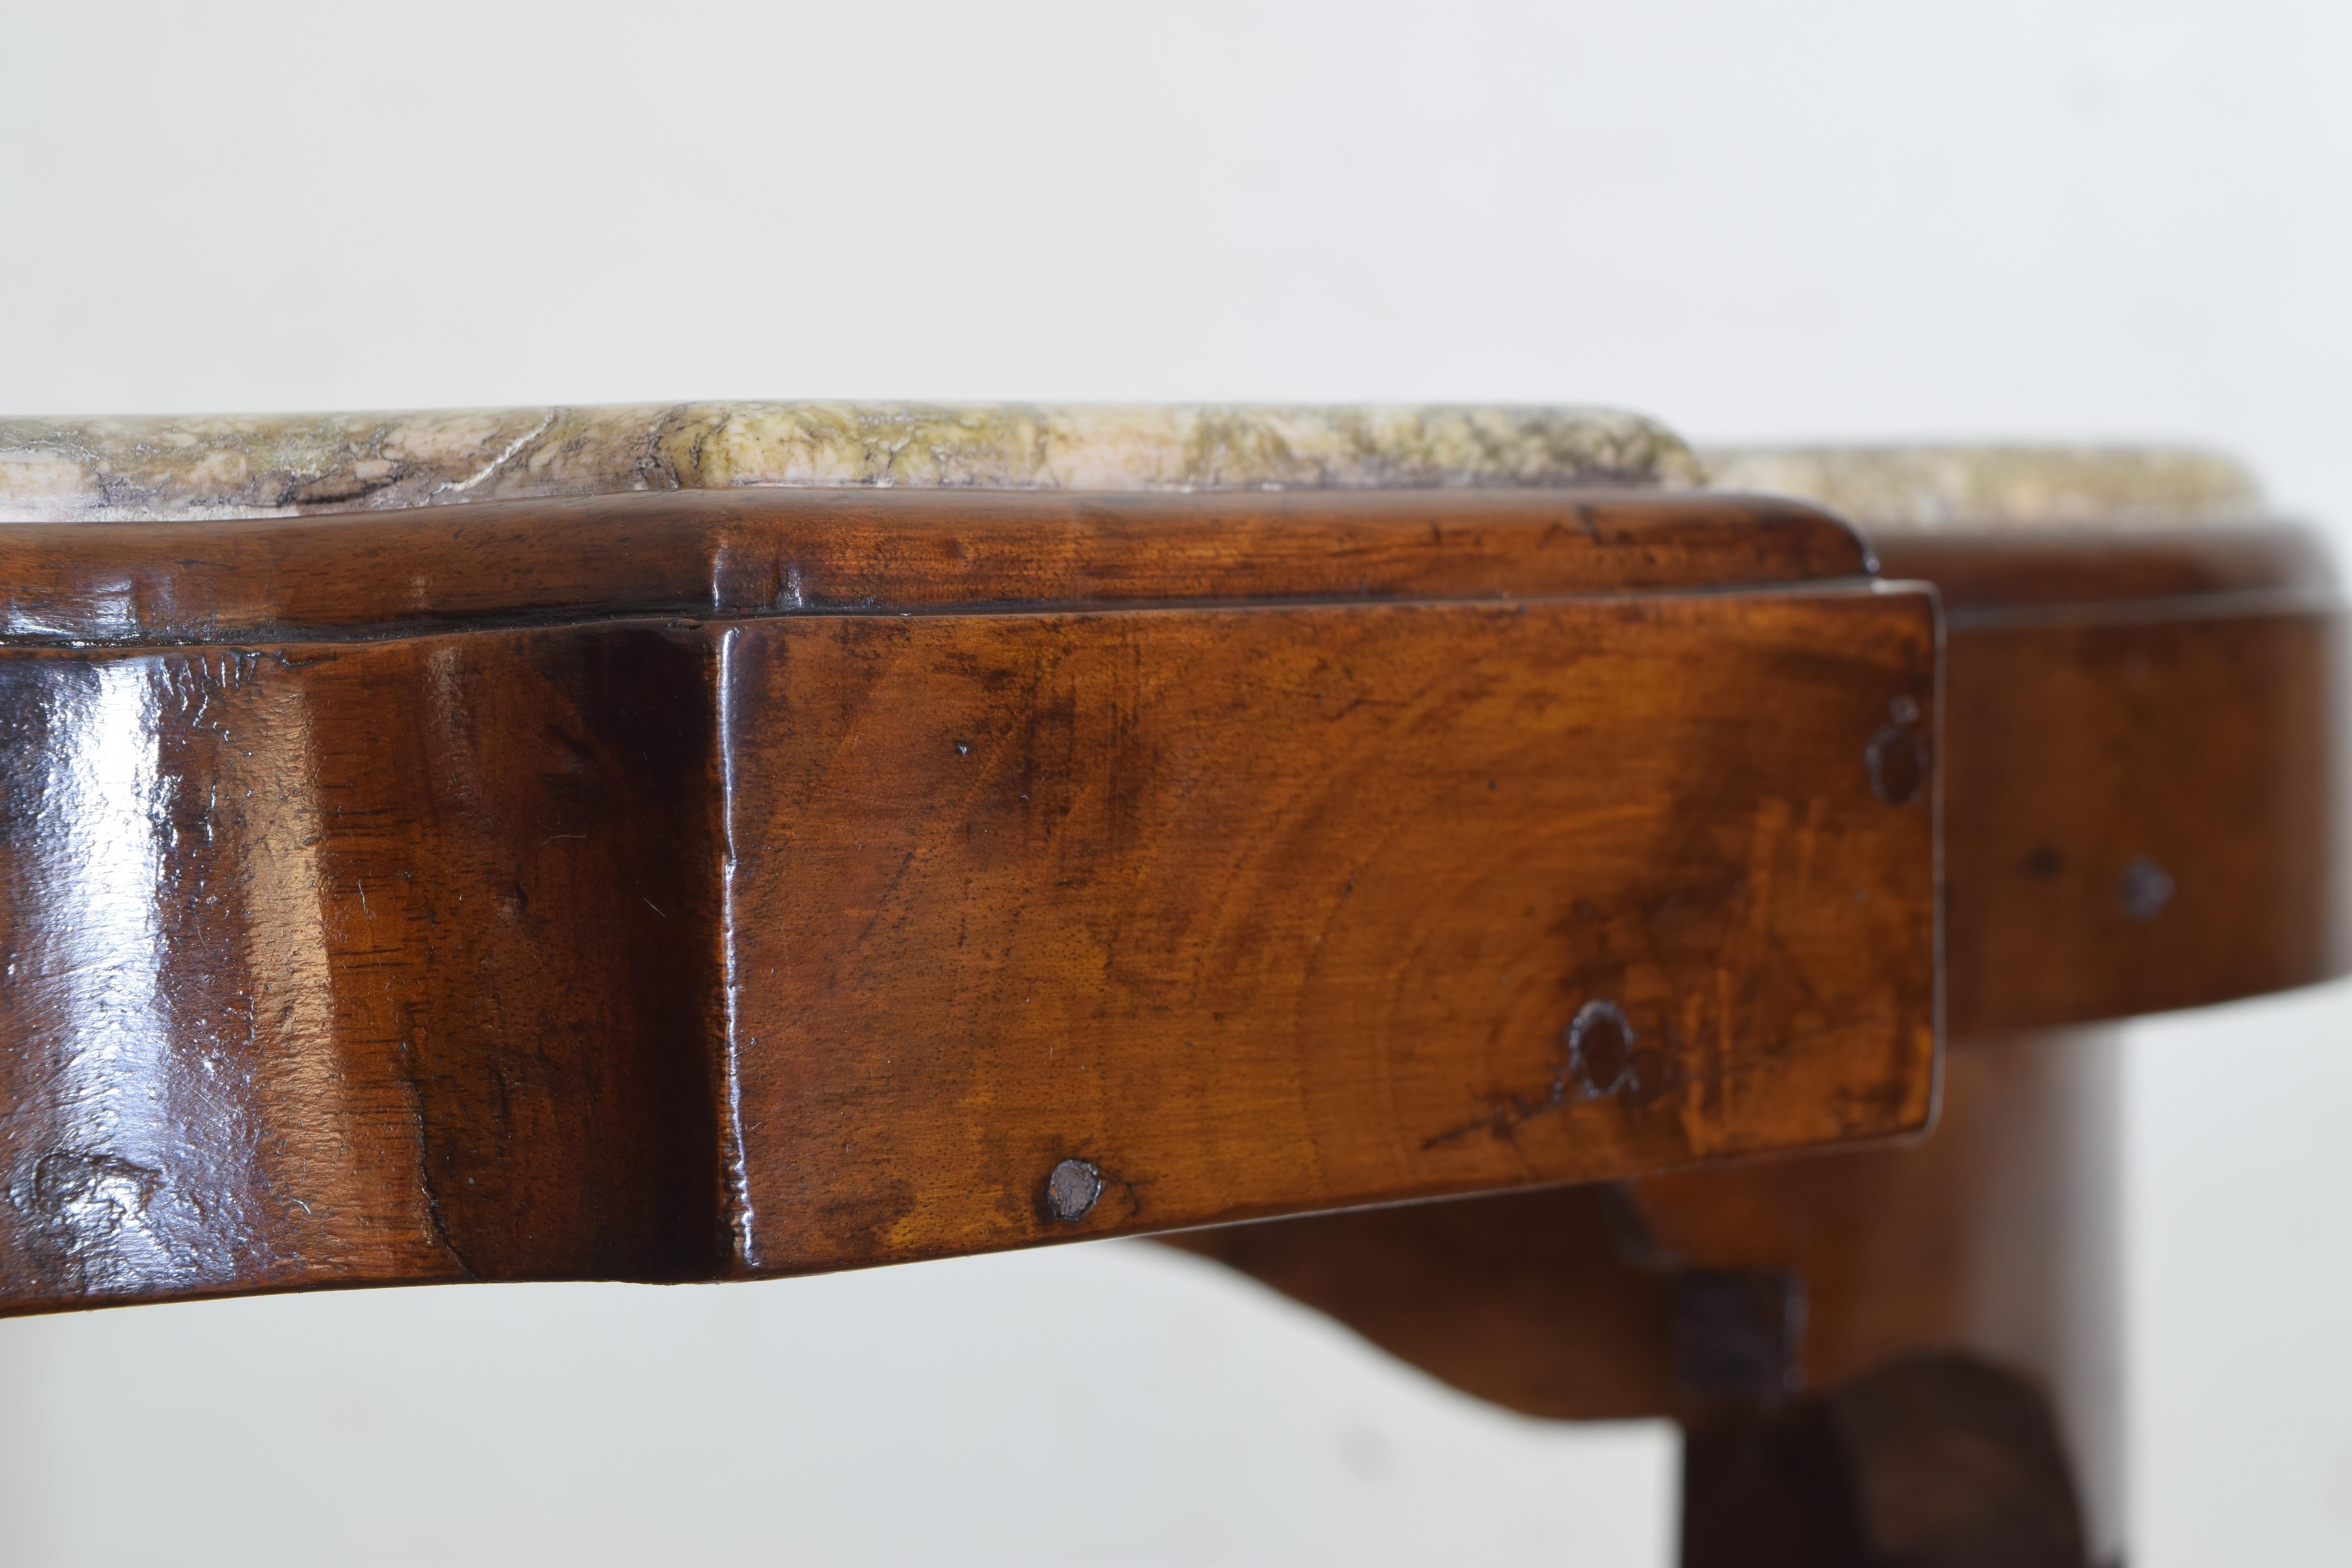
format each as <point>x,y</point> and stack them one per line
<point>157,468</point>
<point>1998,488</point>
<point>161,469</point>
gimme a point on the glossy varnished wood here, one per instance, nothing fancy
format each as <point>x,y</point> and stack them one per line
<point>2143,766</point>
<point>699,947</point>
<point>356,963</point>
<point>1758,1303</point>
<point>667,887</point>
<point>751,553</point>
<point>1985,578</point>
<point>1996,1235</point>
<point>1529,1300</point>
<point>1282,909</point>
<point>1911,1354</point>
<point>680,887</point>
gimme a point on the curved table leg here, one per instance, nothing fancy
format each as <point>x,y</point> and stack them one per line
<point>1907,1354</point>
<point>1952,1390</point>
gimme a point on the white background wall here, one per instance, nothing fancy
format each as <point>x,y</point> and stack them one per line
<point>1791,219</point>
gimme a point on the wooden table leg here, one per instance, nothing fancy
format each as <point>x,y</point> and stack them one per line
<point>1908,1354</point>
<point>1905,1354</point>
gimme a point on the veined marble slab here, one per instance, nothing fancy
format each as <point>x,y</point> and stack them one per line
<point>2009,486</point>
<point>159,468</point>
<point>163,468</point>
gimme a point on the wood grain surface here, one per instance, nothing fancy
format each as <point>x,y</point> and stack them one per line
<point>1895,1352</point>
<point>784,552</point>
<point>1994,1237</point>
<point>1285,909</point>
<point>458,941</point>
<point>693,887</point>
<point>357,963</point>
<point>2144,770</point>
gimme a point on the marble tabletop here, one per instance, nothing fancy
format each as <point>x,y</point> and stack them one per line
<point>163,468</point>
<point>1997,489</point>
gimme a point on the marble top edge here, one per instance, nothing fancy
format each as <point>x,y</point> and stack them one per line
<point>161,468</point>
<point>2017,486</point>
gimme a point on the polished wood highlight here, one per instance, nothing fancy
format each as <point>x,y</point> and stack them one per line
<point>2144,753</point>
<point>707,886</point>
<point>1993,1238</point>
<point>785,552</point>
<point>376,962</point>
<point>1996,1235</point>
<point>1283,909</point>
<point>695,948</point>
<point>1910,1354</point>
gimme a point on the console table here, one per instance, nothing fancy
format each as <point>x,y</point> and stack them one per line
<point>711,842</point>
